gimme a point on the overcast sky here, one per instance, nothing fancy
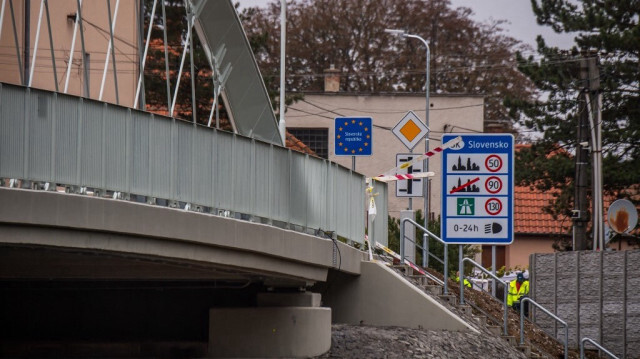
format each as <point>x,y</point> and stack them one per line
<point>522,23</point>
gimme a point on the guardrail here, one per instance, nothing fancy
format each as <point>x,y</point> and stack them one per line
<point>566,327</point>
<point>475,264</point>
<point>61,139</point>
<point>585,339</point>
<point>424,247</point>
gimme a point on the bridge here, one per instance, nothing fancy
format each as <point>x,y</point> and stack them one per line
<point>130,233</point>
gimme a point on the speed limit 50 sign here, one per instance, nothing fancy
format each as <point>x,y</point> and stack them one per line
<point>477,189</point>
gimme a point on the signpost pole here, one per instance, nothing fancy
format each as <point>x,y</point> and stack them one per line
<point>425,182</point>
<point>461,273</point>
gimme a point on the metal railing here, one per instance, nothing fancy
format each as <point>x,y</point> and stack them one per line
<point>566,327</point>
<point>61,139</point>
<point>475,264</point>
<point>424,247</point>
<point>585,339</point>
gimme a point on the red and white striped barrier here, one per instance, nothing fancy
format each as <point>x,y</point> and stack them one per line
<point>407,176</point>
<point>448,144</point>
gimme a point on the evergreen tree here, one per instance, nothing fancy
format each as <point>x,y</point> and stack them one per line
<point>607,29</point>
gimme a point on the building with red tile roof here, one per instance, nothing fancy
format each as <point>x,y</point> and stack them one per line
<point>295,144</point>
<point>536,230</point>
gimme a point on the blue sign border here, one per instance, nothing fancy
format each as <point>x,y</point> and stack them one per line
<point>353,136</point>
<point>509,151</point>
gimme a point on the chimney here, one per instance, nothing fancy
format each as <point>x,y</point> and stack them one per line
<point>497,126</point>
<point>331,79</point>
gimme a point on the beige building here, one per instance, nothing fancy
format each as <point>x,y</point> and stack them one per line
<point>62,15</point>
<point>312,121</point>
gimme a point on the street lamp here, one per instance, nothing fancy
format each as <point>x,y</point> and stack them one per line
<point>404,34</point>
<point>282,127</point>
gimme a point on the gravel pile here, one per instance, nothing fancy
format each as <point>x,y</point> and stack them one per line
<point>349,341</point>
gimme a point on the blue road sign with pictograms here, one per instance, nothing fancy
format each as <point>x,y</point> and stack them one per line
<point>477,189</point>
<point>353,136</point>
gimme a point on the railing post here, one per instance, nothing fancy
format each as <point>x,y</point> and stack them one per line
<point>522,321</point>
<point>566,341</point>
<point>493,270</point>
<point>402,223</point>
<point>425,251</point>
<point>506,308</point>
<point>461,274</point>
<point>445,271</point>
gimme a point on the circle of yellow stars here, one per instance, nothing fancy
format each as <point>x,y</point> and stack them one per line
<point>366,129</point>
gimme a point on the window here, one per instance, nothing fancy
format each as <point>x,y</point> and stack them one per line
<point>317,139</point>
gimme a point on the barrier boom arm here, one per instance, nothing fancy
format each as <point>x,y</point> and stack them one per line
<point>422,157</point>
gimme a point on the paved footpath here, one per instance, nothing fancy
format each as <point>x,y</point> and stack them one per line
<point>349,341</point>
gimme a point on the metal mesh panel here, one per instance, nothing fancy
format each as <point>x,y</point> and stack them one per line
<point>357,208</point>
<point>298,197</point>
<point>184,159</point>
<point>202,170</point>
<point>381,221</point>
<point>315,191</point>
<point>72,141</point>
<point>12,132</point>
<point>40,125</point>
<point>223,183</point>
<point>116,148</point>
<point>279,188</point>
<point>341,195</point>
<point>160,158</point>
<point>243,176</point>
<point>139,153</point>
<point>91,145</point>
<point>66,140</point>
<point>331,218</point>
<point>263,179</point>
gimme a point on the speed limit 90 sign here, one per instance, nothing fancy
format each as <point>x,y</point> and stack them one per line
<point>477,196</point>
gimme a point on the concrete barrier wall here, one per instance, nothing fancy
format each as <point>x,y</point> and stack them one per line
<point>382,297</point>
<point>596,293</point>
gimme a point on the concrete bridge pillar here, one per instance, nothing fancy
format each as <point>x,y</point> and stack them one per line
<point>282,325</point>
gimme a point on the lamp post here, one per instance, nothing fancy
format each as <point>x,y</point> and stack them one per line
<point>283,42</point>
<point>425,187</point>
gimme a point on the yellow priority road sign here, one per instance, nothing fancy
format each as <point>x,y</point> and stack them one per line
<point>410,130</point>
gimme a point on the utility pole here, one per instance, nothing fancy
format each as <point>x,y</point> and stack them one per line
<point>580,212</point>
<point>594,101</point>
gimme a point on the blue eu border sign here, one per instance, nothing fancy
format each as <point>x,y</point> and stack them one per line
<point>353,136</point>
<point>477,189</point>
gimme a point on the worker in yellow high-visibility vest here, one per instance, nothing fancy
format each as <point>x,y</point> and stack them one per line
<point>517,289</point>
<point>466,282</point>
